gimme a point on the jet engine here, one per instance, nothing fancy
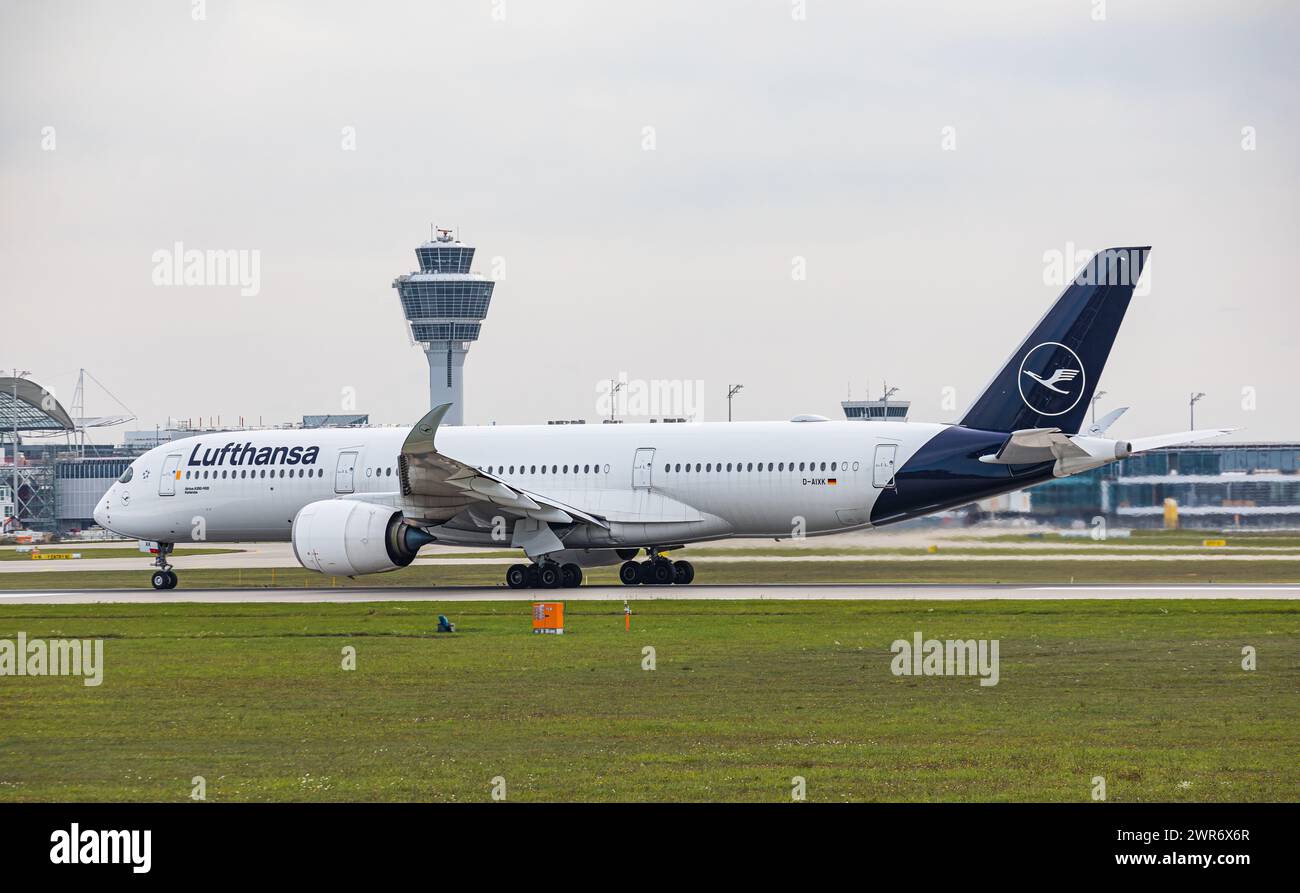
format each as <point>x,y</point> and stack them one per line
<point>348,538</point>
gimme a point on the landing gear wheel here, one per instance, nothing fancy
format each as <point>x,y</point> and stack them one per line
<point>683,573</point>
<point>630,573</point>
<point>530,573</point>
<point>548,577</point>
<point>661,573</point>
<point>570,576</point>
<point>517,576</point>
<point>647,572</point>
<point>164,577</point>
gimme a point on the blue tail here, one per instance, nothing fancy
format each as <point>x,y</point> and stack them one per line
<point>1049,380</point>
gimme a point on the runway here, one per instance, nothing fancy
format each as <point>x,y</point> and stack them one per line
<point>737,592</point>
<point>866,546</point>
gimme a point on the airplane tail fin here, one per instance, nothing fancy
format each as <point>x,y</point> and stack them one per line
<point>1050,378</point>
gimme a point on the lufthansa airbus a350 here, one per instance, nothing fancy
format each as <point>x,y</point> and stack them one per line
<point>364,500</point>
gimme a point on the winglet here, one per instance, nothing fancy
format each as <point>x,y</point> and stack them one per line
<point>425,427</point>
<point>432,419</point>
<point>419,443</point>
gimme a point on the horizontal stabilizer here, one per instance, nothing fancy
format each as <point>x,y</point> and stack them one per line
<point>1030,446</point>
<point>1143,444</point>
<point>1034,445</point>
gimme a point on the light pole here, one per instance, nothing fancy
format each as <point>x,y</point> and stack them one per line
<point>732,390</point>
<point>614,388</point>
<point>884,400</point>
<point>1095,397</point>
<point>17,375</point>
<point>1191,409</point>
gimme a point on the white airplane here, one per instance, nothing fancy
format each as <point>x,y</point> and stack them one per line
<point>364,500</point>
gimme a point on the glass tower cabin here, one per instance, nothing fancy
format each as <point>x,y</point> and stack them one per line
<point>445,305</point>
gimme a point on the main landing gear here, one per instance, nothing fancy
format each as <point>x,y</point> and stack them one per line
<point>656,571</point>
<point>164,577</point>
<point>544,575</point>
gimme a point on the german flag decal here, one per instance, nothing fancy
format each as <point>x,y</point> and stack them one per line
<point>832,481</point>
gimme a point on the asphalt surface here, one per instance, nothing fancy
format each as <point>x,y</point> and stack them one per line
<point>268,555</point>
<point>737,592</point>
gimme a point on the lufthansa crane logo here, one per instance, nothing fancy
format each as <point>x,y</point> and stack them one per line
<point>1060,375</point>
<point>1055,379</point>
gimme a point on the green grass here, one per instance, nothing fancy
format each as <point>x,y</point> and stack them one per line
<point>746,695</point>
<point>66,548</point>
<point>881,570</point>
<point>1149,538</point>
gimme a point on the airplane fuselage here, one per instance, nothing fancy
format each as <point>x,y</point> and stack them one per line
<point>654,482</point>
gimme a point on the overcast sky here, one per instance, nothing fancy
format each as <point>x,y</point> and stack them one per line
<point>780,131</point>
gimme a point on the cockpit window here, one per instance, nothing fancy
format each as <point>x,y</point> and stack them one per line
<point>126,475</point>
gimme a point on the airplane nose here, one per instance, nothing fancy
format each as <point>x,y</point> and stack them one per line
<point>101,514</point>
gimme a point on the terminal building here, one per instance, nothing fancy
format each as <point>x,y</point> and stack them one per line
<point>29,410</point>
<point>1214,486</point>
<point>445,305</point>
<point>58,477</point>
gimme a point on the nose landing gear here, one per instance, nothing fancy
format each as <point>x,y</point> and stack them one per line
<point>164,577</point>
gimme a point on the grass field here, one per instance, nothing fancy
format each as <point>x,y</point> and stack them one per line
<point>1282,538</point>
<point>1150,695</point>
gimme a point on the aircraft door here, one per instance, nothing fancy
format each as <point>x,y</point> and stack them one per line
<point>882,475</point>
<point>643,464</point>
<point>170,472</point>
<point>344,472</point>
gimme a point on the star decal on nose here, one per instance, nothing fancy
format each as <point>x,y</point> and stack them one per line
<point>144,476</point>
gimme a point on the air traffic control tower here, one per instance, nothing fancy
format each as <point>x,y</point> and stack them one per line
<point>445,305</point>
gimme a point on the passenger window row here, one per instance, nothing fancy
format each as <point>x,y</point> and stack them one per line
<point>256,473</point>
<point>675,467</point>
<point>555,469</point>
<point>238,473</point>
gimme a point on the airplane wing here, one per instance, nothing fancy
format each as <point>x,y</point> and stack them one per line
<point>440,487</point>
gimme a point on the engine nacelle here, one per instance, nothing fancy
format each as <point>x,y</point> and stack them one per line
<point>349,538</point>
